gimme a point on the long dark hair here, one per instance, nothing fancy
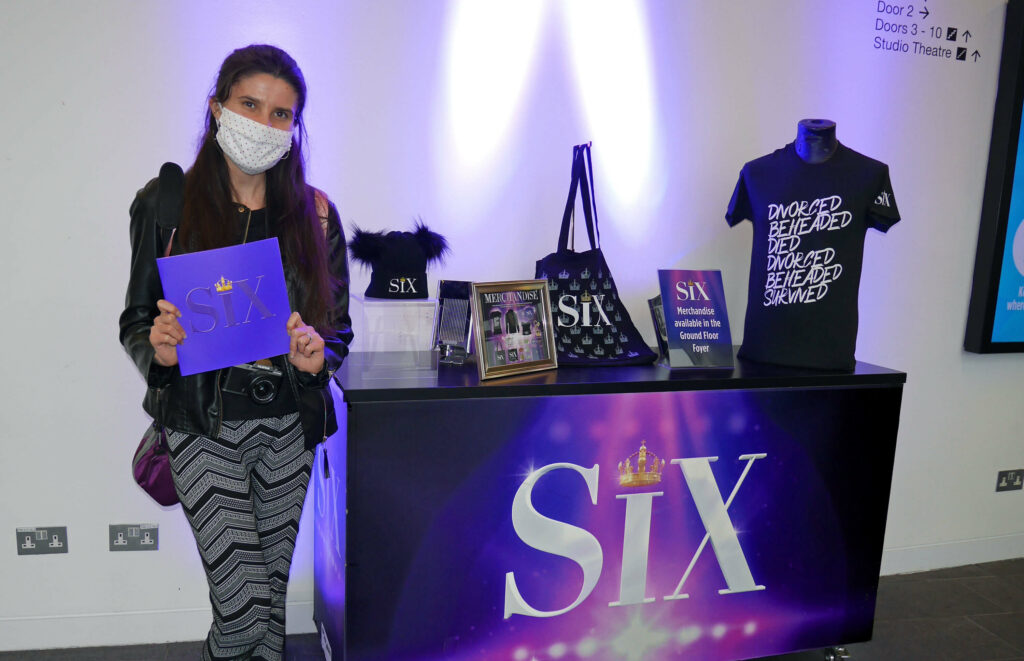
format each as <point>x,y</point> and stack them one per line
<point>209,209</point>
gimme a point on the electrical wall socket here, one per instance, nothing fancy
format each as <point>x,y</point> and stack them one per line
<point>134,537</point>
<point>1010,480</point>
<point>42,541</point>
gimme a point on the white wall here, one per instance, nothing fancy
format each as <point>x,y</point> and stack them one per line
<point>464,113</point>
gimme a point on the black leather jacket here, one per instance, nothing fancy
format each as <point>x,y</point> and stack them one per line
<point>194,404</point>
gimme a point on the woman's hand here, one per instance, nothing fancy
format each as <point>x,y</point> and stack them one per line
<point>306,349</point>
<point>166,333</point>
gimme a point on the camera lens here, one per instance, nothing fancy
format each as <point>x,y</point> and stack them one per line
<point>262,390</point>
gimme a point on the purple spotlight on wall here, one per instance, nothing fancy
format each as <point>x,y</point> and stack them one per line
<point>490,55</point>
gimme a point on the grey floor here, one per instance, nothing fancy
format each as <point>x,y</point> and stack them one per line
<point>970,613</point>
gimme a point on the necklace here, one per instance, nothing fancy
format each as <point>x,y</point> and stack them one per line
<point>248,220</point>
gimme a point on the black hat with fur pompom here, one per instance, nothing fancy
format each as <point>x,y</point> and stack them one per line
<point>398,260</point>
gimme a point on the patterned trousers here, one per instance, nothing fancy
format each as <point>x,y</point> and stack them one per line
<point>242,493</point>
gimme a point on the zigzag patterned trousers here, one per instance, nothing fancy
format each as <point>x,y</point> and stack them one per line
<point>242,493</point>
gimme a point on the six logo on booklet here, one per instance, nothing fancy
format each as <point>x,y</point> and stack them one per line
<point>225,296</point>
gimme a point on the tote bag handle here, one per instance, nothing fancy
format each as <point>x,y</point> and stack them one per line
<point>582,177</point>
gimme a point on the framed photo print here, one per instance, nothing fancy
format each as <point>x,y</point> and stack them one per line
<point>512,327</point>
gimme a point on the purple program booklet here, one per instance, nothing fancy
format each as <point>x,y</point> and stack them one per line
<point>233,302</point>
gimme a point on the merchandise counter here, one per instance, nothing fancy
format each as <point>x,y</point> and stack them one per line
<point>601,513</point>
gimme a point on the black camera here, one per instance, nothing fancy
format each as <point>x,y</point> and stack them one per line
<point>257,380</point>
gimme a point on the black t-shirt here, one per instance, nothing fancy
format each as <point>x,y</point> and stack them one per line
<point>809,226</point>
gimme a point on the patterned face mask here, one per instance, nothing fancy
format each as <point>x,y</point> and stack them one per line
<point>252,146</point>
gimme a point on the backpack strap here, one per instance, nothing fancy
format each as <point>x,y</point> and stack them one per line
<point>170,200</point>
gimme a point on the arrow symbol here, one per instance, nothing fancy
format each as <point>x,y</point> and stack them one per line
<point>975,55</point>
<point>967,35</point>
<point>925,12</point>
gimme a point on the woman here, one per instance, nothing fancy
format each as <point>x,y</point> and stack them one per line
<point>241,463</point>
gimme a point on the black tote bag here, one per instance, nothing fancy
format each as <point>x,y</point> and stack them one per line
<point>592,326</point>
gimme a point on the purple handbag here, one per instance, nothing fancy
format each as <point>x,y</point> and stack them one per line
<point>152,466</point>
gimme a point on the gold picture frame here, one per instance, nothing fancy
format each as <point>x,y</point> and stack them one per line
<point>512,327</point>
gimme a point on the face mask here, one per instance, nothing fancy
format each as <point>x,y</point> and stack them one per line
<point>252,146</point>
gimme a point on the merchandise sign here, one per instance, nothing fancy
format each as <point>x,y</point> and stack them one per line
<point>708,525</point>
<point>690,319</point>
<point>233,302</point>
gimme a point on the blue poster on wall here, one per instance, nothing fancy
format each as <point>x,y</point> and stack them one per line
<point>1008,322</point>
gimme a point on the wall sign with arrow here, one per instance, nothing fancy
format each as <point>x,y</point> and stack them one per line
<point>912,29</point>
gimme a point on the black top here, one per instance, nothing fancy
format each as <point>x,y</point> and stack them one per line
<point>809,226</point>
<point>254,225</point>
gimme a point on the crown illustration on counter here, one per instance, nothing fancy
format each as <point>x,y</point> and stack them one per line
<point>647,470</point>
<point>222,284</point>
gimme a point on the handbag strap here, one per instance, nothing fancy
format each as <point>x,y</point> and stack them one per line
<point>581,181</point>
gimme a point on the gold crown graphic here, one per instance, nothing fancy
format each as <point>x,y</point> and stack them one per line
<point>648,468</point>
<point>222,284</point>
<point>585,298</point>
